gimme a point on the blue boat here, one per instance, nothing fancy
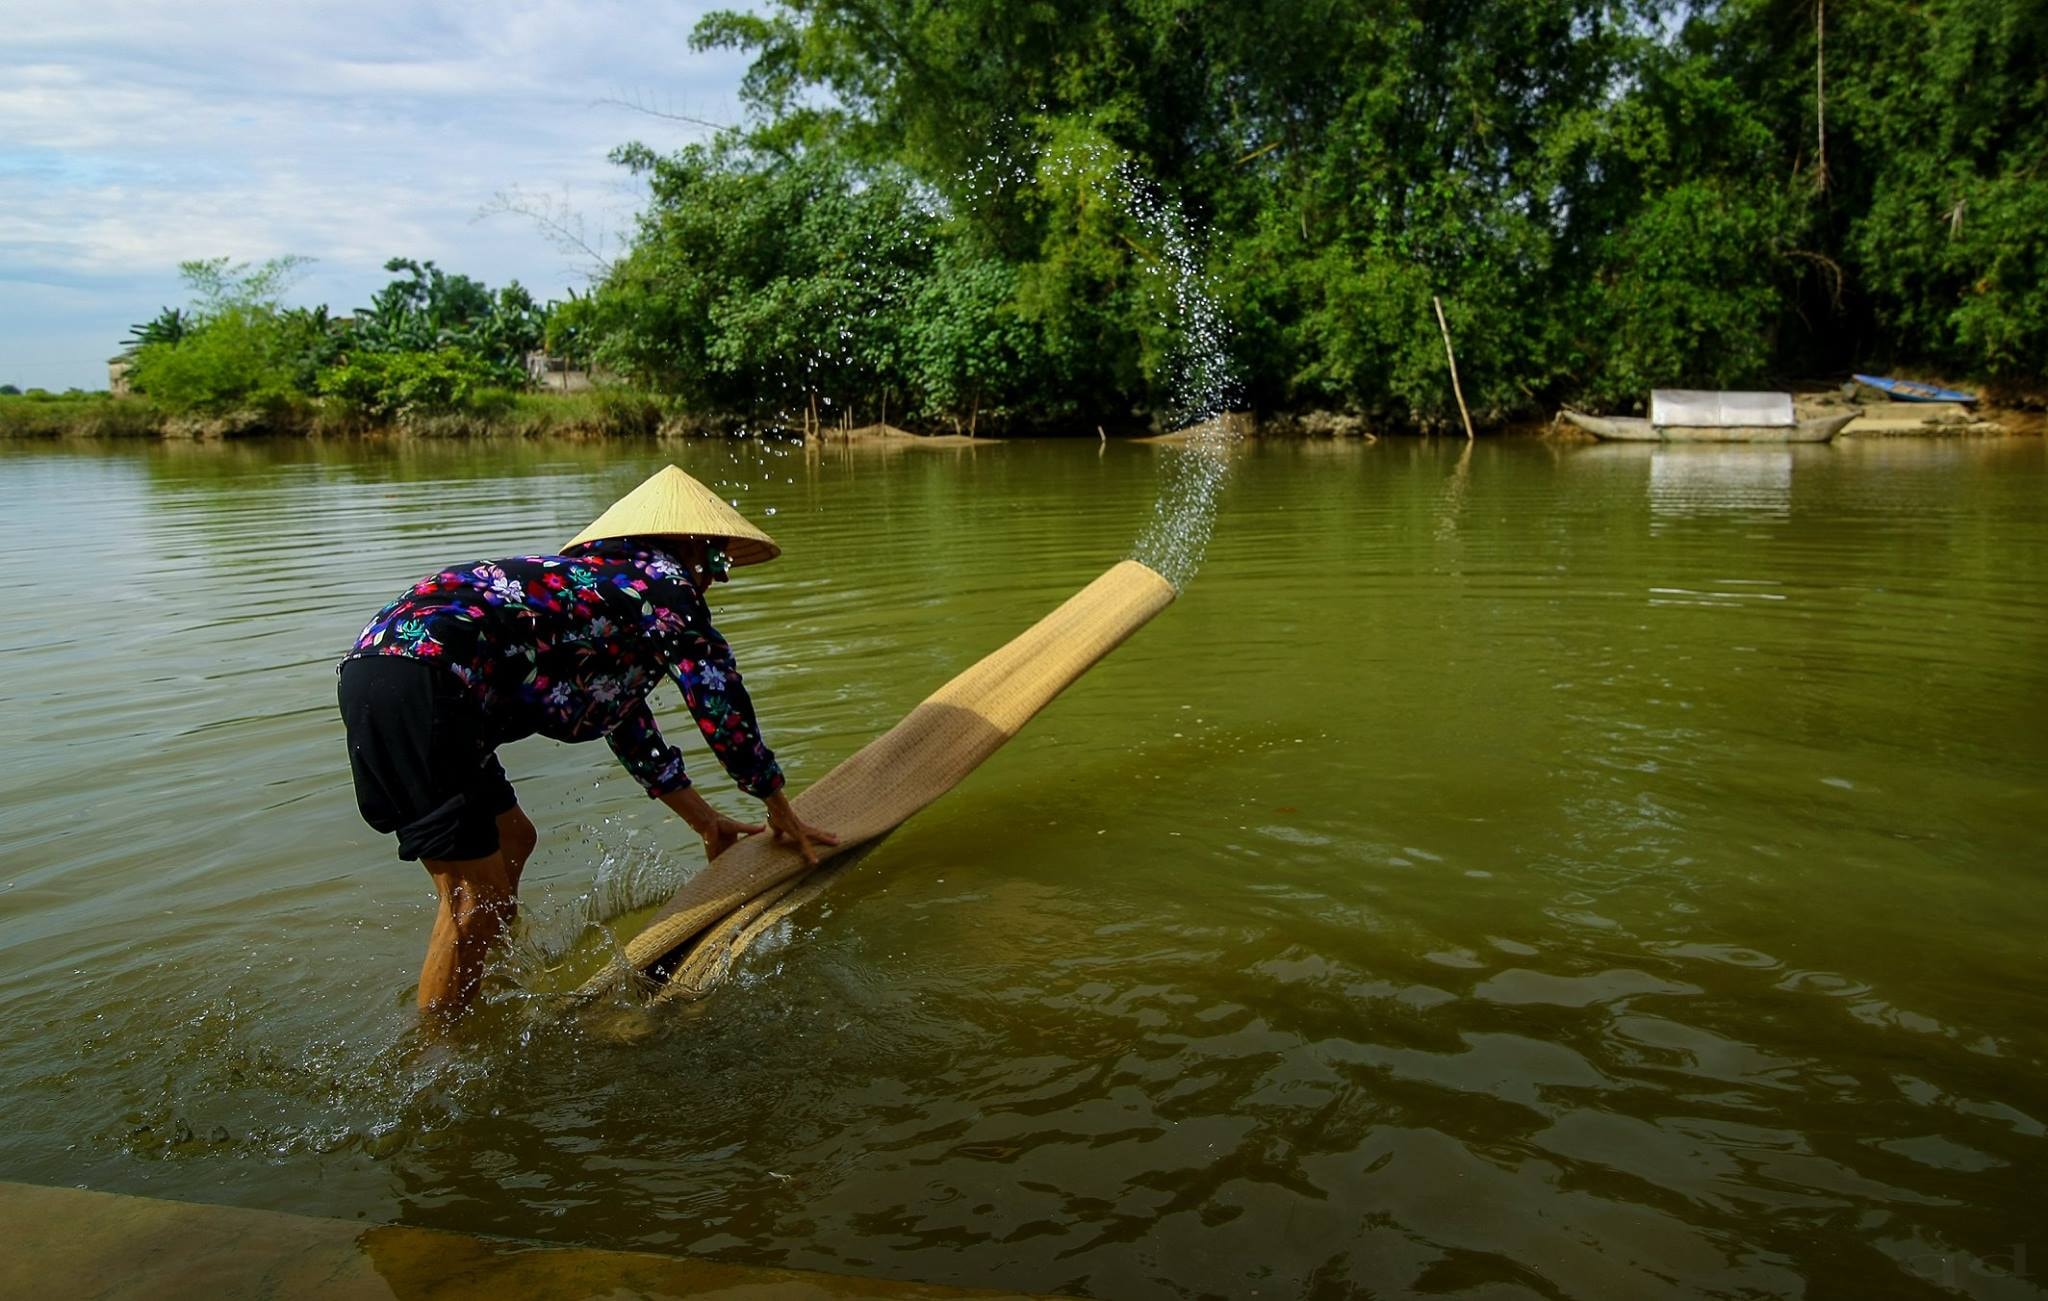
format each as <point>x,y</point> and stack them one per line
<point>1908,390</point>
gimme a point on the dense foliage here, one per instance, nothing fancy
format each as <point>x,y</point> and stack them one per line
<point>939,207</point>
<point>429,342</point>
<point>233,350</point>
<point>396,385</point>
<point>427,310</point>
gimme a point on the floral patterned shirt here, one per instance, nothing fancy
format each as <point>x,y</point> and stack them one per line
<point>569,647</point>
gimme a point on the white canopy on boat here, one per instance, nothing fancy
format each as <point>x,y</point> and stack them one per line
<point>1699,408</point>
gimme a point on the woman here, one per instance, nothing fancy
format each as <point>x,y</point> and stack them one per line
<point>566,646</point>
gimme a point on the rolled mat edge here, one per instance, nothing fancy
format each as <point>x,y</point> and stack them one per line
<point>903,770</point>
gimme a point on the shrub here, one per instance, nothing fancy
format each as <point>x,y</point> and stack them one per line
<point>40,414</point>
<point>236,360</point>
<point>231,352</point>
<point>398,386</point>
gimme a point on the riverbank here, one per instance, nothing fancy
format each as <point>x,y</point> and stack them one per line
<point>598,413</point>
<point>627,413</point>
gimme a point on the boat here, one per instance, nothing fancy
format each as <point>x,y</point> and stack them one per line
<point>1635,429</point>
<point>1912,390</point>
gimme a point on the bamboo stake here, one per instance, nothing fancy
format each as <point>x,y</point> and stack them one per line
<point>1262,149</point>
<point>1820,93</point>
<point>1456,387</point>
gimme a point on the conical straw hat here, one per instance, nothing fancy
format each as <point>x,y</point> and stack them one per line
<point>672,504</point>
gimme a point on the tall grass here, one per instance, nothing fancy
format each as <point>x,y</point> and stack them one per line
<point>492,413</point>
<point>78,415</point>
<point>596,413</point>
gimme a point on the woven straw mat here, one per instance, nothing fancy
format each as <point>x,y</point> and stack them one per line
<point>898,773</point>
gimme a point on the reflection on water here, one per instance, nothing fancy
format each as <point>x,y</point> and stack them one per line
<point>1508,869</point>
<point>1753,480</point>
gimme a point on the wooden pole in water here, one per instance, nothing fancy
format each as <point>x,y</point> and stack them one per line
<point>1456,387</point>
<point>1820,93</point>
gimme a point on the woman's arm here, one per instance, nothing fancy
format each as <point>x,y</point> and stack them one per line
<point>705,670</point>
<point>721,833</point>
<point>718,699</point>
<point>637,741</point>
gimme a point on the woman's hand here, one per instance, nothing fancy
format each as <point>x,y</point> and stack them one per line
<point>726,832</point>
<point>793,830</point>
<point>718,832</point>
<point>721,833</point>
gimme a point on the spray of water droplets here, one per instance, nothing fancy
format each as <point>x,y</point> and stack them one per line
<point>1203,383</point>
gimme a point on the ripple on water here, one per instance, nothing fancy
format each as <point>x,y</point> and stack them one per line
<point>1469,884</point>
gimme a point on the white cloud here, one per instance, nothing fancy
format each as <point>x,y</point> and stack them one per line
<point>135,135</point>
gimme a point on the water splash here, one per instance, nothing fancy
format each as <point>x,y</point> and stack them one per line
<point>1176,539</point>
<point>634,871</point>
<point>1201,379</point>
<point>1203,388</point>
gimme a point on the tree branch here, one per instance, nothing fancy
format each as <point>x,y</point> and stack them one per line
<point>558,224</point>
<point>636,106</point>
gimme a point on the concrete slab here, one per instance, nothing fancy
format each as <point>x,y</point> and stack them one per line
<point>67,1242</point>
<point>1890,425</point>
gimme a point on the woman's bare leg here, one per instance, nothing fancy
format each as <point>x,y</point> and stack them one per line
<point>516,839</point>
<point>476,903</point>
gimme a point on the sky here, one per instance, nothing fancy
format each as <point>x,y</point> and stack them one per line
<point>134,136</point>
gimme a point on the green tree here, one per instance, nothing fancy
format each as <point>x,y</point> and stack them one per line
<point>171,325</point>
<point>427,310</point>
<point>761,281</point>
<point>1606,194</point>
<point>388,386</point>
<point>972,356</point>
<point>1940,115</point>
<point>234,351</point>
<point>566,332</point>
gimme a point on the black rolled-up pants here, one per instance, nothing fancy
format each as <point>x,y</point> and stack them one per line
<point>424,765</point>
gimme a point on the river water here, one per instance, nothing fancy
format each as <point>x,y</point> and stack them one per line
<point>1524,871</point>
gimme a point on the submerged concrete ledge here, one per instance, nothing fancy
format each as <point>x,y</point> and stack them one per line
<point>66,1242</point>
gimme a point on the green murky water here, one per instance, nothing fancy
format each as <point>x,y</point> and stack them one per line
<point>1543,871</point>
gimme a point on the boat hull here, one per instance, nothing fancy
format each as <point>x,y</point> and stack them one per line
<point>1908,390</point>
<point>1624,429</point>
